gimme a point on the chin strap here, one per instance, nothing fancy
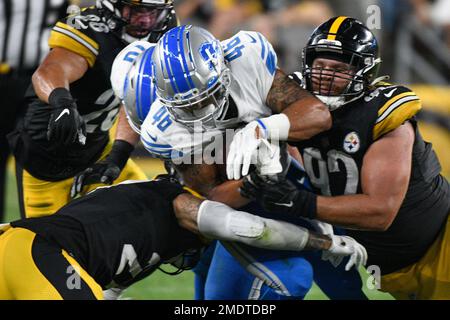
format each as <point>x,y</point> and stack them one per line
<point>130,39</point>
<point>332,103</point>
<point>379,79</point>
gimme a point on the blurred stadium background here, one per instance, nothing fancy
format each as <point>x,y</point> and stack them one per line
<point>414,37</point>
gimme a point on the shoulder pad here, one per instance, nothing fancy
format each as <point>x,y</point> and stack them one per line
<point>253,48</point>
<point>396,104</point>
<point>78,33</point>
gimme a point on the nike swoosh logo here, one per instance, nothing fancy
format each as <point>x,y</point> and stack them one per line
<point>152,137</point>
<point>253,39</point>
<point>388,95</point>
<point>301,181</point>
<point>65,111</point>
<point>289,205</point>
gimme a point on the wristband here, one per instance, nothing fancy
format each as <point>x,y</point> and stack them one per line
<point>275,127</point>
<point>120,153</point>
<point>61,97</point>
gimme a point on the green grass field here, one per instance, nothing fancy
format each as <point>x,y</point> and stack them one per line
<point>161,286</point>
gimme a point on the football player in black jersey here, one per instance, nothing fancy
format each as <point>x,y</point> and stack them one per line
<point>71,105</point>
<point>372,172</point>
<point>117,235</point>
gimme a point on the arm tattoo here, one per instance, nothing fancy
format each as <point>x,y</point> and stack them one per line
<point>190,205</point>
<point>186,208</point>
<point>318,242</point>
<point>284,91</point>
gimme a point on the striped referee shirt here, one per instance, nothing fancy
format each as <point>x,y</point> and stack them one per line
<point>25,26</point>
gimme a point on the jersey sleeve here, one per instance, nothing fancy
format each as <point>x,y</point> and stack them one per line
<point>400,105</point>
<point>78,33</point>
<point>256,58</point>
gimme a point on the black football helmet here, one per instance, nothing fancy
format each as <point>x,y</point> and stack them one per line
<point>165,15</point>
<point>347,40</point>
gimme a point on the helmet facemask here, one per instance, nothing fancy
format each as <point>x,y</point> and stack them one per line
<point>337,86</point>
<point>202,108</point>
<point>192,77</point>
<point>141,20</point>
<point>138,20</point>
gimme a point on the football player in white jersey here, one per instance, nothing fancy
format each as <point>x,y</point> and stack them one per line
<point>235,88</point>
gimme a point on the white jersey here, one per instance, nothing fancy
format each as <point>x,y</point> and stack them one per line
<point>252,62</point>
<point>123,63</point>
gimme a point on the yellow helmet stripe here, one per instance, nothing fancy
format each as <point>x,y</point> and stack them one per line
<point>335,27</point>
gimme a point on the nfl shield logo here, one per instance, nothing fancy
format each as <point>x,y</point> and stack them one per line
<point>352,142</point>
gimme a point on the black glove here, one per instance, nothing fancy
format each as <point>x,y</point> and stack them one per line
<point>279,196</point>
<point>65,126</point>
<point>105,171</point>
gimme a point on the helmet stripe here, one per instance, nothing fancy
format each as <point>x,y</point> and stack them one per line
<point>183,55</point>
<point>139,87</point>
<point>176,53</point>
<point>166,63</point>
<point>335,27</point>
<point>146,84</point>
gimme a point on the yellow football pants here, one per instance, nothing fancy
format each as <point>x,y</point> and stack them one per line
<point>43,198</point>
<point>429,278</point>
<point>33,269</point>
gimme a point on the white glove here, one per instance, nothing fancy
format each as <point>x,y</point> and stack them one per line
<point>243,150</point>
<point>343,246</point>
<point>268,163</point>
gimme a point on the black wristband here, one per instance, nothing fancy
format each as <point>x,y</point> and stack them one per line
<point>60,97</point>
<point>306,204</point>
<point>120,152</point>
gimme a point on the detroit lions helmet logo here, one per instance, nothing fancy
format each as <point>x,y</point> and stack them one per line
<point>210,53</point>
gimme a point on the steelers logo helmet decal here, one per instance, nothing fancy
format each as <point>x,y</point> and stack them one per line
<point>352,142</point>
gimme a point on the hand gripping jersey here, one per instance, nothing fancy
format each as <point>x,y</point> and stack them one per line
<point>333,161</point>
<point>252,62</point>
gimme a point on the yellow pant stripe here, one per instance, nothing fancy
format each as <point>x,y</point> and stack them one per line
<point>20,279</point>
<point>95,287</point>
<point>429,278</point>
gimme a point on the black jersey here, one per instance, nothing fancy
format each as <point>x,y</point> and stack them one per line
<point>89,36</point>
<point>333,161</point>
<point>118,234</point>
